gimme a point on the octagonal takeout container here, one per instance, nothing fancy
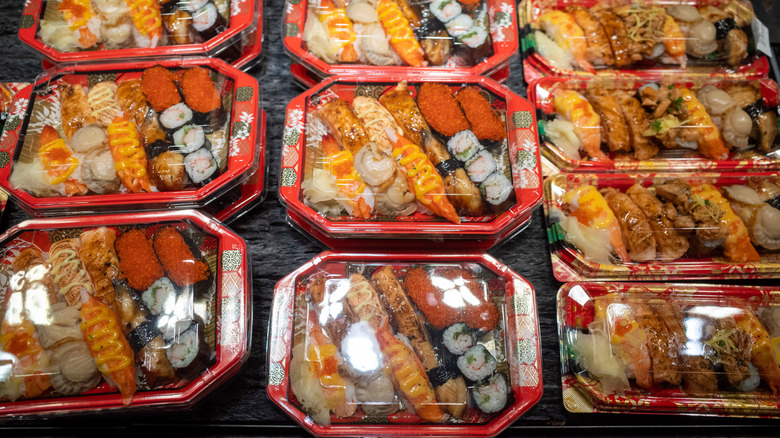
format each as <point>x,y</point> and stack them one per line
<point>332,284</point>
<point>303,162</point>
<point>218,306</point>
<point>232,135</point>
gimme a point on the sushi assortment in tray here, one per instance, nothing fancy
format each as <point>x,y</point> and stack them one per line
<point>81,30</point>
<point>334,37</point>
<point>406,158</point>
<point>109,312</point>
<point>586,37</point>
<point>670,348</point>
<point>174,134</point>
<point>663,226</point>
<point>661,123</point>
<point>404,344</point>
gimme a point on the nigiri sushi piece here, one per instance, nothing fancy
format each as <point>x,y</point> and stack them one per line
<point>82,21</point>
<point>129,155</point>
<point>674,41</point>
<point>58,161</point>
<point>591,209</point>
<point>563,29</point>
<point>399,31</point>
<point>710,144</point>
<point>339,28</point>
<point>761,350</point>
<point>573,107</point>
<point>737,246</point>
<point>628,339</point>
<point>147,20</point>
<point>358,197</point>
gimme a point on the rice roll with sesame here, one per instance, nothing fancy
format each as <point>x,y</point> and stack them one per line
<point>491,396</point>
<point>496,188</point>
<point>477,363</point>
<point>458,338</point>
<point>480,166</point>
<point>189,139</point>
<point>175,117</point>
<point>200,166</point>
<point>464,145</point>
<point>207,21</point>
<point>160,298</point>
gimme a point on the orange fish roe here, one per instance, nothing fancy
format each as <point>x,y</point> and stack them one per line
<point>440,109</point>
<point>199,91</point>
<point>177,259</point>
<point>157,84</point>
<point>137,259</point>
<point>485,123</point>
<point>444,307</point>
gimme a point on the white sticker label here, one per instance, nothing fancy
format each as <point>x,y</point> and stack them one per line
<point>761,34</point>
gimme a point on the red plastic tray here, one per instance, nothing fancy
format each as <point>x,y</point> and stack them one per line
<point>233,313</point>
<point>521,334</point>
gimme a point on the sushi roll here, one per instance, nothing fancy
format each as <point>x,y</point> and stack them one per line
<point>477,363</point>
<point>188,352</point>
<point>207,21</point>
<point>480,166</point>
<point>175,117</point>
<point>445,10</point>
<point>189,139</point>
<point>200,165</point>
<point>460,25</point>
<point>191,5</point>
<point>496,189</point>
<point>464,145</point>
<point>473,37</point>
<point>458,338</point>
<point>160,298</point>
<point>491,397</point>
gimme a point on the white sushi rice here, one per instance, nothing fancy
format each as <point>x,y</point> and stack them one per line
<point>474,37</point>
<point>480,166</point>
<point>552,52</point>
<point>458,338</point>
<point>460,25</point>
<point>200,165</point>
<point>189,138</point>
<point>492,396</point>
<point>464,145</point>
<point>477,363</point>
<point>183,351</point>
<point>497,188</point>
<point>160,298</point>
<point>445,10</point>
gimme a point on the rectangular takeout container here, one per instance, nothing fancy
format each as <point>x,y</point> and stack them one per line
<point>732,16</point>
<point>514,342</point>
<point>720,343</point>
<point>221,306</point>
<point>752,155</point>
<point>239,146</point>
<point>232,42</point>
<point>503,33</point>
<point>727,222</point>
<point>301,156</point>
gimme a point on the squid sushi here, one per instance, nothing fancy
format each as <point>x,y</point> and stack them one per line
<point>190,138</point>
<point>477,363</point>
<point>175,117</point>
<point>496,188</point>
<point>458,338</point>
<point>480,166</point>
<point>207,21</point>
<point>464,145</point>
<point>491,397</point>
<point>200,166</point>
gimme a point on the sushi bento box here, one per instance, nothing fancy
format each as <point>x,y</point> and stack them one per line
<point>80,30</point>
<point>691,349</point>
<point>682,226</point>
<point>119,137</point>
<point>120,312</point>
<point>367,37</point>
<point>586,37</point>
<point>349,354</point>
<point>658,123</point>
<point>412,158</point>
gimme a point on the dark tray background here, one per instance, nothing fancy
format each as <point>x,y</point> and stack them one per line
<point>241,406</point>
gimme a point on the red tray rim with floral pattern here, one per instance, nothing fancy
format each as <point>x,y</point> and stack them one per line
<point>234,318</point>
<point>582,395</point>
<point>535,66</point>
<point>569,264</point>
<point>505,45</point>
<point>520,308</point>
<point>522,143</point>
<point>541,86</point>
<point>244,17</point>
<point>244,138</point>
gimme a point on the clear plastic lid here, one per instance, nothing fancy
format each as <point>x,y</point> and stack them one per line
<point>670,348</point>
<point>146,135</point>
<point>77,30</point>
<point>663,226</point>
<point>409,157</point>
<point>583,37</point>
<point>368,37</point>
<point>112,312</point>
<point>404,344</point>
<point>658,123</point>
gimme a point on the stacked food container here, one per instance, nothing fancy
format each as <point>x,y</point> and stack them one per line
<point>120,295</point>
<point>658,125</point>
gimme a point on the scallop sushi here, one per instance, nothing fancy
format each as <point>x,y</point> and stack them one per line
<point>200,166</point>
<point>477,363</point>
<point>175,117</point>
<point>464,145</point>
<point>480,166</point>
<point>458,338</point>
<point>491,397</point>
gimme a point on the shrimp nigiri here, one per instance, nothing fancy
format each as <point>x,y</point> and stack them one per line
<point>674,40</point>
<point>573,107</point>
<point>628,338</point>
<point>737,246</point>
<point>710,143</point>
<point>761,350</point>
<point>339,27</point>
<point>400,33</point>
<point>563,29</point>
<point>147,20</point>
<point>358,196</point>
<point>591,209</point>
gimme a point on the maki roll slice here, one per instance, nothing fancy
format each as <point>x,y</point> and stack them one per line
<point>481,166</point>
<point>190,138</point>
<point>477,363</point>
<point>175,117</point>
<point>491,396</point>
<point>160,298</point>
<point>208,22</point>
<point>188,352</point>
<point>445,10</point>
<point>464,145</point>
<point>201,166</point>
<point>496,189</point>
<point>458,338</point>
